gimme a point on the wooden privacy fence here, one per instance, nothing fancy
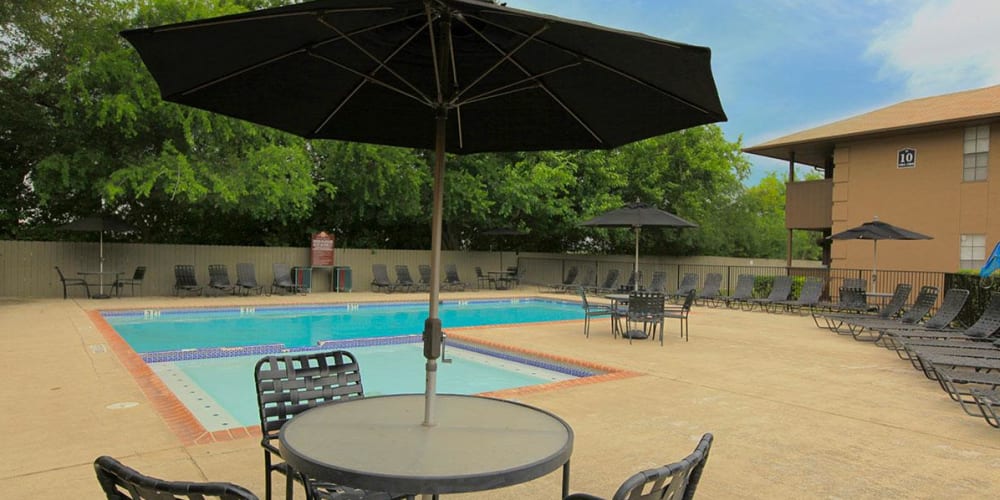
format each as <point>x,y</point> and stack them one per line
<point>26,267</point>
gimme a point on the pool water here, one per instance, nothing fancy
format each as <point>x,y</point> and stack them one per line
<point>206,356</point>
<point>220,392</point>
<point>152,331</point>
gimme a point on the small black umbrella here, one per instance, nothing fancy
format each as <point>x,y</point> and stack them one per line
<point>637,215</point>
<point>503,232</point>
<point>461,76</point>
<point>877,230</point>
<point>100,225</point>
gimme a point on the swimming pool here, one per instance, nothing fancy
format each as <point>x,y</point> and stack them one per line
<point>206,356</point>
<point>303,326</point>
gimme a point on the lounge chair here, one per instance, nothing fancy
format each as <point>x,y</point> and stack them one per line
<point>568,283</point>
<point>961,384</point>
<point>134,281</point>
<point>951,307</point>
<point>809,295</point>
<point>633,279</point>
<point>926,299</point>
<point>742,293</point>
<point>218,279</point>
<point>425,276</point>
<point>120,482</point>
<point>681,312</point>
<point>484,279</point>
<point>246,279</point>
<point>983,330</point>
<point>283,279</point>
<point>451,279</point>
<point>688,282</point>
<point>403,279</point>
<point>676,481</point>
<point>288,385</point>
<point>185,281</point>
<point>989,404</point>
<point>851,300</point>
<point>589,280</point>
<point>659,282</point>
<point>709,294</point>
<point>592,311</point>
<point>68,282</point>
<point>380,279</point>
<point>644,309</point>
<point>781,288</point>
<point>609,283</point>
<point>899,299</point>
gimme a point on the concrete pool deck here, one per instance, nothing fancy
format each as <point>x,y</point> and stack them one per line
<point>797,412</point>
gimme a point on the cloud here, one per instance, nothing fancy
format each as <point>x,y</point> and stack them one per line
<point>942,46</point>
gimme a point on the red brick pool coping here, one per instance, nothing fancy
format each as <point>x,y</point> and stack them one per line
<point>189,430</point>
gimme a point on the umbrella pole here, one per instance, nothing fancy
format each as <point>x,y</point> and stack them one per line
<point>636,270</point>
<point>100,277</point>
<point>432,327</point>
<point>875,267</point>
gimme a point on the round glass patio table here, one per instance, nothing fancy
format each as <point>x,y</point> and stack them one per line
<point>100,274</point>
<point>380,443</point>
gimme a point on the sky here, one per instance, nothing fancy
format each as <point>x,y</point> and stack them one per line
<point>782,66</point>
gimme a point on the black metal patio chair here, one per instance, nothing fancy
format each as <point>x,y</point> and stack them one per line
<point>185,280</point>
<point>121,482</point>
<point>134,281</point>
<point>68,282</point>
<point>676,481</point>
<point>246,279</point>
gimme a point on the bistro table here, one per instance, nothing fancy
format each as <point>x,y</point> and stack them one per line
<point>380,443</point>
<point>499,277</point>
<point>100,275</point>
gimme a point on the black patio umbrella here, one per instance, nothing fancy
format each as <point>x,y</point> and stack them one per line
<point>503,232</point>
<point>877,230</point>
<point>459,76</point>
<point>100,225</point>
<point>637,215</point>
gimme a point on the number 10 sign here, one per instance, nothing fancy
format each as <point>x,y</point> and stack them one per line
<point>906,158</point>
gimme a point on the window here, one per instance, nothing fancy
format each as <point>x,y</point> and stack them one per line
<point>977,151</point>
<point>973,251</point>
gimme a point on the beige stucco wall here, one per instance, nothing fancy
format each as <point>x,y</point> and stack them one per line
<point>930,198</point>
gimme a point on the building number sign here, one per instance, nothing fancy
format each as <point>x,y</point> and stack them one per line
<point>906,158</point>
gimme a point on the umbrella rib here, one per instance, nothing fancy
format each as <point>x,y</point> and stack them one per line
<point>257,18</point>
<point>606,66</point>
<point>508,56</point>
<point>308,50</point>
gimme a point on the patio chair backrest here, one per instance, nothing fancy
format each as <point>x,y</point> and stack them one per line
<point>120,482</point>
<point>139,274</point>
<point>218,275</point>
<point>659,282</point>
<point>688,282</point>
<point>811,291</point>
<point>589,279</point>
<point>451,274</point>
<point>645,305</point>
<point>899,298</point>
<point>403,275</point>
<point>571,275</point>
<point>713,283</point>
<point>184,276</point>
<point>425,274</point>
<point>988,324</point>
<point>288,385</point>
<point>854,283</point>
<point>245,275</point>
<point>926,299</point>
<point>781,288</point>
<point>380,275</point>
<point>282,275</point>
<point>951,307</point>
<point>744,287</point>
<point>632,278</point>
<point>674,481</point>
<point>611,279</point>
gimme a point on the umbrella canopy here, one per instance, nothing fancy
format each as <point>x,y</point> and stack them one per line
<point>100,225</point>
<point>637,215</point>
<point>461,76</point>
<point>877,230</point>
